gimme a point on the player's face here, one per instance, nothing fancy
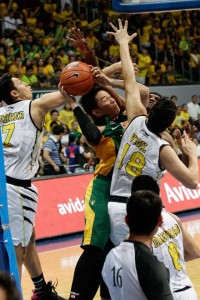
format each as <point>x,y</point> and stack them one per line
<point>107,105</point>
<point>153,99</point>
<point>24,90</point>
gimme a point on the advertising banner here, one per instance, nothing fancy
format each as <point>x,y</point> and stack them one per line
<point>61,205</point>
<point>61,202</point>
<point>177,197</point>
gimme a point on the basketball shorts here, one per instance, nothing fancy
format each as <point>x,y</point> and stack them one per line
<point>185,295</point>
<point>22,206</point>
<point>97,223</point>
<point>118,228</point>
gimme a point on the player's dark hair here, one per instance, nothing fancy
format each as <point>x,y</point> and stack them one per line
<point>8,284</point>
<point>53,123</point>
<point>145,182</point>
<point>53,111</point>
<point>143,211</point>
<point>58,129</point>
<point>88,101</point>
<point>6,86</point>
<point>72,137</point>
<point>161,116</point>
<point>157,94</point>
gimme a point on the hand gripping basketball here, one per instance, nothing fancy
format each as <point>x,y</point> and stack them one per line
<point>77,78</point>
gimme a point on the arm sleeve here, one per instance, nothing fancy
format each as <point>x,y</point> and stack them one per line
<point>153,277</point>
<point>89,129</point>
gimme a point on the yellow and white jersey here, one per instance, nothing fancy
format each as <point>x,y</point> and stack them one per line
<point>168,247</point>
<point>21,140</point>
<point>138,154</point>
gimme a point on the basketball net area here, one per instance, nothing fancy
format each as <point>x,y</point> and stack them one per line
<point>8,261</point>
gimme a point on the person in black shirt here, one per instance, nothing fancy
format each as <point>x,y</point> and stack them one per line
<point>130,270</point>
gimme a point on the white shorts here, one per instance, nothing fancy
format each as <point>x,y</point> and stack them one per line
<point>189,294</point>
<point>22,206</point>
<point>118,228</point>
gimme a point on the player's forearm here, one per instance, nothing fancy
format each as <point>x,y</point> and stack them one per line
<point>117,83</point>
<point>91,59</point>
<point>88,128</point>
<point>51,101</point>
<point>193,167</point>
<point>134,106</point>
<point>112,69</point>
<point>127,65</point>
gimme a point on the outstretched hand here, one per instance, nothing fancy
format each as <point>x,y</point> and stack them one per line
<point>190,130</point>
<point>188,146</point>
<point>78,40</point>
<point>121,35</point>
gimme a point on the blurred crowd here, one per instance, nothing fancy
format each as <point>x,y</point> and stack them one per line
<point>64,149</point>
<point>33,43</point>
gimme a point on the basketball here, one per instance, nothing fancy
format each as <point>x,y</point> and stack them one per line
<point>77,78</point>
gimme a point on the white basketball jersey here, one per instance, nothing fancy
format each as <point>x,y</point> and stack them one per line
<point>120,274</point>
<point>21,140</point>
<point>138,154</point>
<point>168,247</point>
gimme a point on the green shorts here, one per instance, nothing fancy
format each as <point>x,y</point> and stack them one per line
<point>97,222</point>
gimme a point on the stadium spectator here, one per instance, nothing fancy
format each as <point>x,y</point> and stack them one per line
<point>2,59</point>
<point>75,129</point>
<point>145,34</point>
<point>144,61</point>
<point>27,62</point>
<point>195,63</point>
<point>62,55</point>
<point>52,155</point>
<point>194,110</point>
<point>174,99</point>
<point>179,121</point>
<point>155,30</point>
<point>67,115</point>
<point>65,137</point>
<point>184,112</point>
<point>113,51</point>
<point>76,155</point>
<point>169,77</point>
<point>39,30</point>
<point>81,141</point>
<point>92,40</point>
<point>55,79</point>
<point>9,22</point>
<point>30,78</point>
<point>42,78</point>
<point>15,69</point>
<point>48,67</point>
<point>160,43</point>
<point>52,116</point>
<point>31,21</point>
